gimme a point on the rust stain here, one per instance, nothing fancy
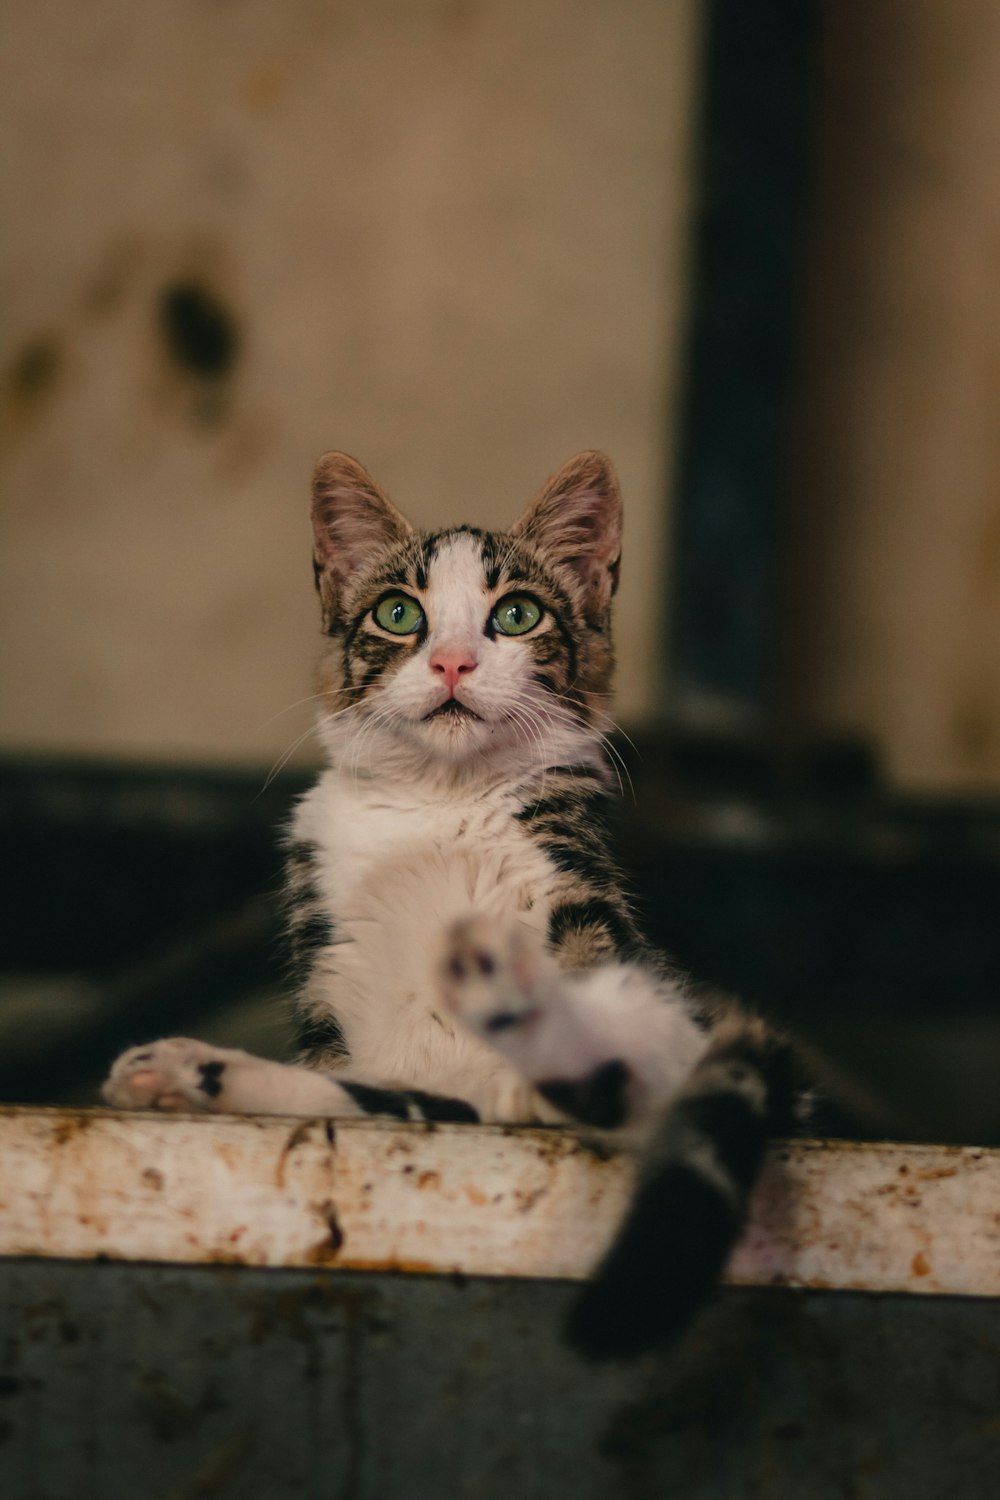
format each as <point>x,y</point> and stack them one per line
<point>328,1248</point>
<point>920,1265</point>
<point>70,1128</point>
<point>405,1264</point>
<point>429,1179</point>
<point>476,1197</point>
<point>153,1179</point>
<point>527,1201</point>
<point>295,1139</point>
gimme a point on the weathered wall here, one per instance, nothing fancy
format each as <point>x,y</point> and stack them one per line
<point>449,238</point>
<point>896,565</point>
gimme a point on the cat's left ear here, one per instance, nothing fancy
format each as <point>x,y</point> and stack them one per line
<point>576,518</point>
<point>352,521</point>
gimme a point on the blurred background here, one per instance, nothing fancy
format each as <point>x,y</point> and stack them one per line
<point>751,252</point>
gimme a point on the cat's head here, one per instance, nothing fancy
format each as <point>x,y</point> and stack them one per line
<point>464,643</point>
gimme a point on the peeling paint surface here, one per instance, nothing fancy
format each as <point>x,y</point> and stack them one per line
<point>487,1201</point>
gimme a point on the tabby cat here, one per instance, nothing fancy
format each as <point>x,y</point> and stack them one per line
<point>463,943</point>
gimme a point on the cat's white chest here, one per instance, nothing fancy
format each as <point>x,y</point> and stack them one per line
<point>395,872</point>
<point>374,839</point>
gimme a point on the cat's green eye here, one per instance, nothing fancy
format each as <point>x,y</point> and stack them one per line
<point>516,614</point>
<point>399,613</point>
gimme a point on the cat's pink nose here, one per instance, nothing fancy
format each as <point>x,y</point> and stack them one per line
<point>452,665</point>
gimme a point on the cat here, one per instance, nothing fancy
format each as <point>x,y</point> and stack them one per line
<point>463,944</point>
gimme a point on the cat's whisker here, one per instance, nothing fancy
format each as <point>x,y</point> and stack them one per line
<point>367,724</point>
<point>378,718</point>
<point>360,730</point>
<point>523,711</point>
<point>547,711</point>
<point>309,698</point>
<point>614,725</point>
<point>534,733</point>
<point>283,760</point>
<point>616,761</point>
<point>540,719</point>
<point>617,764</point>
<point>313,728</point>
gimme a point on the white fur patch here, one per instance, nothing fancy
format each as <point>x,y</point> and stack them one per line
<point>396,870</point>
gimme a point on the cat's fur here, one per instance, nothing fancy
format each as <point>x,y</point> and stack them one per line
<point>463,945</point>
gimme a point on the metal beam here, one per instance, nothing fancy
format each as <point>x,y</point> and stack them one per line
<point>483,1201</point>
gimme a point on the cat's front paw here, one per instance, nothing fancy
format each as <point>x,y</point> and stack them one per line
<point>175,1074</point>
<point>492,976</point>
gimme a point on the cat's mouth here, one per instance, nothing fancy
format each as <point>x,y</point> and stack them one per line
<point>451,708</point>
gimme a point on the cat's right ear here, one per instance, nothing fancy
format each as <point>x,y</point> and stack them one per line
<point>352,520</point>
<point>577,519</point>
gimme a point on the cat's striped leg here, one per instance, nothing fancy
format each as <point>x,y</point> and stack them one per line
<point>697,1171</point>
<point>180,1074</point>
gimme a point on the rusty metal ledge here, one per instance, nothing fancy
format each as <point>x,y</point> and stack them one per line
<point>485,1200</point>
